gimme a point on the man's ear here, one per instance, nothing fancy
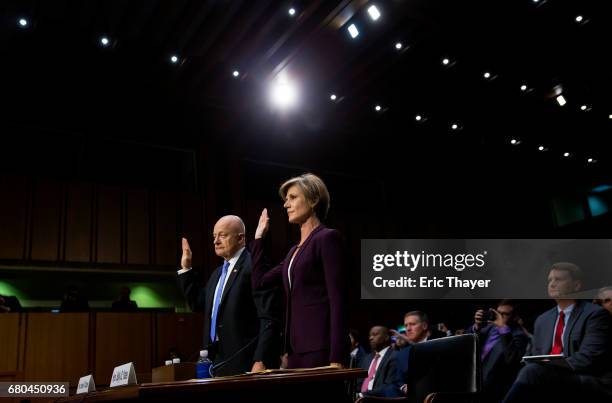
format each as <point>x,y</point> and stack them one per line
<point>425,325</point>
<point>577,285</point>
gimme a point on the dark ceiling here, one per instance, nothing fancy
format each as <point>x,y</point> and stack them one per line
<point>56,76</point>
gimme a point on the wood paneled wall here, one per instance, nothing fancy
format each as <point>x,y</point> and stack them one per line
<point>84,223</point>
<point>64,347</point>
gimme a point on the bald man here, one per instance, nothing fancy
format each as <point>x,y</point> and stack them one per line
<point>240,331</point>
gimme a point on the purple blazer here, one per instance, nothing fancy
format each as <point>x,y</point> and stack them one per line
<point>316,314</point>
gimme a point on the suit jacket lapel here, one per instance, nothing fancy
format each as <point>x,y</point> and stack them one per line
<point>232,276</point>
<point>302,248</point>
<point>381,367</point>
<point>549,325</point>
<point>576,312</point>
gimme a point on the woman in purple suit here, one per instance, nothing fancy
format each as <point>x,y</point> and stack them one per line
<point>313,276</point>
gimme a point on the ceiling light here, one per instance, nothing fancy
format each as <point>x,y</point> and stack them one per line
<point>332,97</point>
<point>566,154</point>
<point>353,31</point>
<point>487,74</point>
<point>377,108</point>
<point>283,93</point>
<point>579,18</point>
<point>23,22</point>
<point>523,87</point>
<point>236,73</point>
<point>418,118</point>
<point>590,160</point>
<point>454,126</point>
<point>374,13</point>
<point>398,45</point>
<point>292,11</point>
<point>561,100</point>
<point>541,148</point>
<point>174,59</point>
<point>445,61</point>
<point>104,41</point>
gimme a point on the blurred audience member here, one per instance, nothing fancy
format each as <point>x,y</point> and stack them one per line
<point>124,303</point>
<point>604,298</point>
<point>503,346</point>
<point>9,304</point>
<point>381,365</point>
<point>72,301</point>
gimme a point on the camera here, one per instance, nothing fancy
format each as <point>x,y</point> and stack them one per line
<point>490,316</point>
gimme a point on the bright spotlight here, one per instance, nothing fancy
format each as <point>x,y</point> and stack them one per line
<point>374,13</point>
<point>332,97</point>
<point>398,45</point>
<point>377,108</point>
<point>236,73</point>
<point>445,61</point>
<point>418,118</point>
<point>23,22</point>
<point>174,59</point>
<point>523,87</point>
<point>292,11</point>
<point>104,41</point>
<point>283,93</point>
<point>353,31</point>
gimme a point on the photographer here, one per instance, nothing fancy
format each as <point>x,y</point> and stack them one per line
<point>503,345</point>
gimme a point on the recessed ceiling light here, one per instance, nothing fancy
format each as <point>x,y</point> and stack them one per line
<point>487,74</point>
<point>353,31</point>
<point>561,100</point>
<point>418,118</point>
<point>377,108</point>
<point>292,11</point>
<point>398,45</point>
<point>445,61</point>
<point>332,97</point>
<point>541,148</point>
<point>23,22</point>
<point>174,59</point>
<point>590,160</point>
<point>524,87</point>
<point>579,18</point>
<point>374,13</point>
<point>236,73</point>
<point>566,154</point>
<point>454,126</point>
<point>104,41</point>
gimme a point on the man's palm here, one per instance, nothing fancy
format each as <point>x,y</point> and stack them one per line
<point>186,258</point>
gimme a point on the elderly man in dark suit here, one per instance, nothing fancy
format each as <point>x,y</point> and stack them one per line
<point>239,327</point>
<point>579,331</point>
<point>381,365</point>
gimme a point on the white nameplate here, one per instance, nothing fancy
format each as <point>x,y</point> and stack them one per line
<point>86,385</point>
<point>123,375</point>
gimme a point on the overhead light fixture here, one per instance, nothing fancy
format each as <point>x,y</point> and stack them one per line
<point>398,45</point>
<point>566,155</point>
<point>454,126</point>
<point>610,116</point>
<point>292,11</point>
<point>445,61</point>
<point>515,142</point>
<point>524,87</point>
<point>352,29</point>
<point>487,75</point>
<point>174,59</point>
<point>579,19</point>
<point>541,148</point>
<point>377,108</point>
<point>374,13</point>
<point>283,93</point>
<point>236,73</point>
<point>561,100</point>
<point>23,23</point>
<point>104,41</point>
<point>418,118</point>
<point>591,160</point>
<point>333,97</point>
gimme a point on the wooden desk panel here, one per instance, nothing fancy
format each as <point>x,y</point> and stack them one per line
<point>181,331</point>
<point>10,344</point>
<point>56,347</point>
<point>121,338</point>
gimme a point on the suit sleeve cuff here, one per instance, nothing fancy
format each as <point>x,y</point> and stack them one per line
<point>181,271</point>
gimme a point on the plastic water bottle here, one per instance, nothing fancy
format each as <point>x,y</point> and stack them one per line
<point>203,365</point>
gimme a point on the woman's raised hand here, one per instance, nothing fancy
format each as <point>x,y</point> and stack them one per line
<point>264,224</point>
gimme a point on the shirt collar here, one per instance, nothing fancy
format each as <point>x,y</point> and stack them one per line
<point>567,311</point>
<point>234,259</point>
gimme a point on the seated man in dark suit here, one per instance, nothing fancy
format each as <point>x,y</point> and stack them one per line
<point>503,345</point>
<point>381,364</point>
<point>578,330</point>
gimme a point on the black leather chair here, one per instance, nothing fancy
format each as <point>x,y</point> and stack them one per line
<point>442,370</point>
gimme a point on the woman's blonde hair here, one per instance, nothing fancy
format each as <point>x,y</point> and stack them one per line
<point>314,190</point>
